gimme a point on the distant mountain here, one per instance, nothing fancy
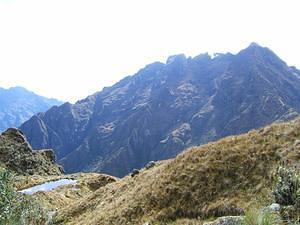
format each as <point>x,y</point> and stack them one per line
<point>167,107</point>
<point>18,104</point>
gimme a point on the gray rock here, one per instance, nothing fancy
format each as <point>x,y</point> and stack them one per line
<point>226,220</point>
<point>134,172</point>
<point>150,165</point>
<point>274,207</point>
<point>51,215</point>
<point>297,143</point>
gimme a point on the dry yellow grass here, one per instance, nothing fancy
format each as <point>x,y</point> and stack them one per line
<point>23,182</point>
<point>215,179</point>
<point>66,195</point>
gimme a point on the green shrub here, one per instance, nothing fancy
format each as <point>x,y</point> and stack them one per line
<point>257,217</point>
<point>287,189</point>
<point>287,193</point>
<point>17,208</point>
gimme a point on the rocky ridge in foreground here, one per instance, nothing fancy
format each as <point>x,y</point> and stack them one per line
<point>16,155</point>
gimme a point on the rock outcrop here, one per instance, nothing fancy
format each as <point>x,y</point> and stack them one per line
<point>17,155</point>
<point>227,220</point>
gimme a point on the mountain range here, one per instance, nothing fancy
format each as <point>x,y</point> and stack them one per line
<point>18,104</point>
<point>166,107</point>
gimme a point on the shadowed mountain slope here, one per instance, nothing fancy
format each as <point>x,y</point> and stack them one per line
<point>165,108</point>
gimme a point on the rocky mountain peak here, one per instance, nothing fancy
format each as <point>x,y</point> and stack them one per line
<point>176,58</point>
<point>15,134</point>
<point>165,108</point>
<point>255,49</point>
<point>254,45</point>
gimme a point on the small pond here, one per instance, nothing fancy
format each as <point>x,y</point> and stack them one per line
<point>48,186</point>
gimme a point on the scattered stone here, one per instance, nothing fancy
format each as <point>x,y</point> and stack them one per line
<point>226,220</point>
<point>134,172</point>
<point>297,143</point>
<point>274,207</point>
<point>51,215</point>
<point>150,165</point>
<point>100,180</point>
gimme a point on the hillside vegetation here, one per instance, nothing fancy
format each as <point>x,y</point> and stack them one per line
<point>216,179</point>
<point>16,208</point>
<point>20,166</point>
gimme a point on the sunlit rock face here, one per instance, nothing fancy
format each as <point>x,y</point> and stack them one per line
<point>17,155</point>
<point>166,107</point>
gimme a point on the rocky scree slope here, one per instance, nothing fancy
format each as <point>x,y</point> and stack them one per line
<point>18,104</point>
<point>17,156</point>
<point>220,178</point>
<point>166,107</point>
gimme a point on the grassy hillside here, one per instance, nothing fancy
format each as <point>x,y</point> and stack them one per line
<point>216,179</point>
<point>86,183</point>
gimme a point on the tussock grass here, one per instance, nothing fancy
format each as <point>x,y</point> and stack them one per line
<point>217,179</point>
<point>54,200</point>
<point>257,217</point>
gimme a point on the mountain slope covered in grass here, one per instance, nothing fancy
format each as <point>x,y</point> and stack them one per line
<point>216,179</point>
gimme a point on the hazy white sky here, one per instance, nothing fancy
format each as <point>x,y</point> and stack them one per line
<point>69,49</point>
